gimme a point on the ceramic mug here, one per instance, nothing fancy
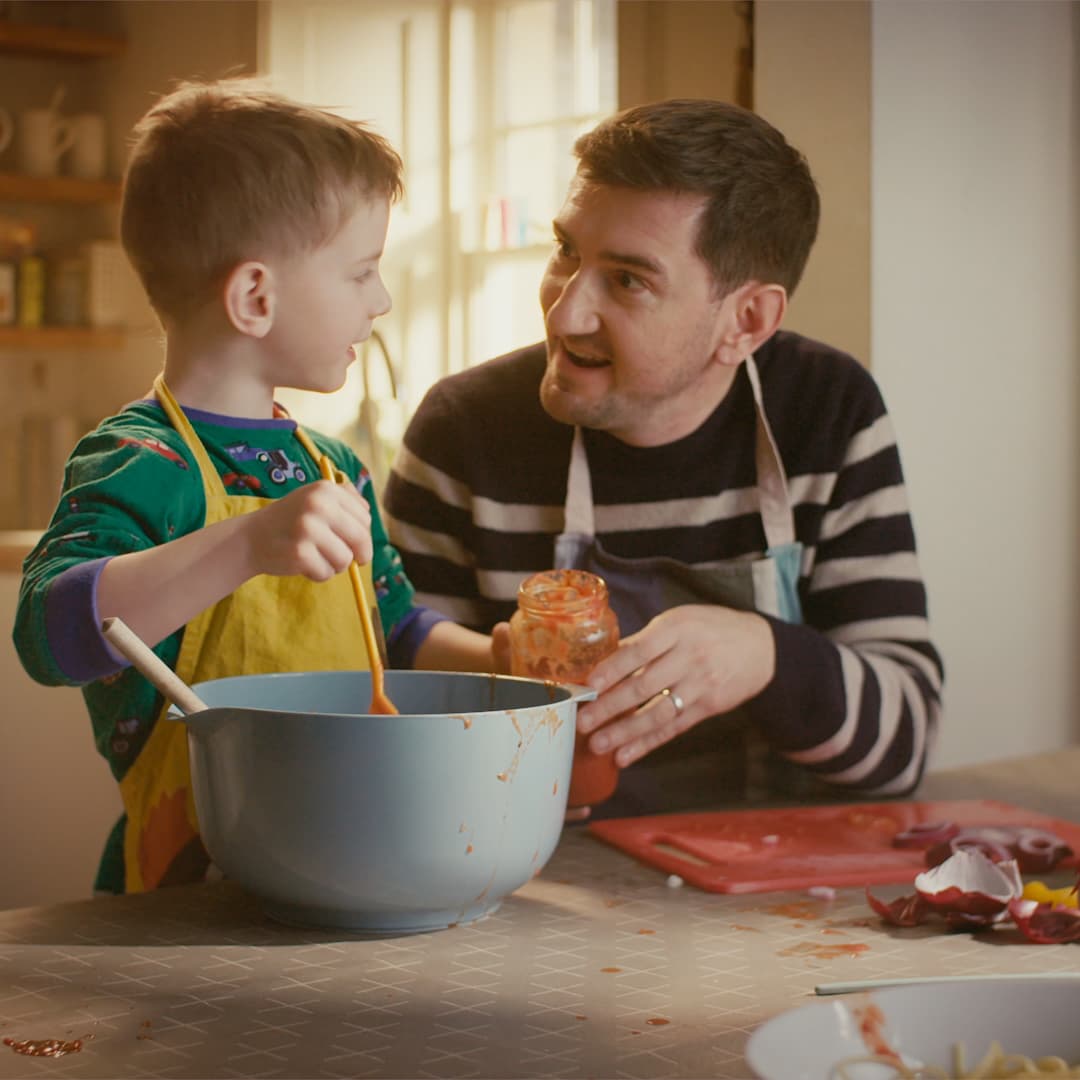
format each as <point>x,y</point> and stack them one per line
<point>87,158</point>
<point>7,129</point>
<point>44,135</point>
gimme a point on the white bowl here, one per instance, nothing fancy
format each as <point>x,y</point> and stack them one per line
<point>921,1023</point>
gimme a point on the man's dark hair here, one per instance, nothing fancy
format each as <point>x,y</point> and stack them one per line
<point>761,203</point>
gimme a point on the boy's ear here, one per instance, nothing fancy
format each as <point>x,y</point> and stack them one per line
<point>752,314</point>
<point>249,298</point>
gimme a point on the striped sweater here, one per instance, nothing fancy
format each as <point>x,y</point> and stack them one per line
<point>475,501</point>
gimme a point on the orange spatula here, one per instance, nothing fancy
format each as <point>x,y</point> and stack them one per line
<point>380,703</point>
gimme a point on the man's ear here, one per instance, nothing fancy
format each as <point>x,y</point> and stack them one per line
<point>752,314</point>
<point>249,298</point>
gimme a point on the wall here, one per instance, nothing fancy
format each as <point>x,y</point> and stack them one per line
<point>972,286</point>
<point>679,48</point>
<point>975,342</point>
<point>812,80</point>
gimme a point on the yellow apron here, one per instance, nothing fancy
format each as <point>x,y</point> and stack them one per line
<point>268,624</point>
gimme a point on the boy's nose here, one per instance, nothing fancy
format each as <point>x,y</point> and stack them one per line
<point>381,301</point>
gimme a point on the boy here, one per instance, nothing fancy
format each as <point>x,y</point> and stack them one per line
<point>197,515</point>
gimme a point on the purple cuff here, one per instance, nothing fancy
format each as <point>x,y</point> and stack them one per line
<point>73,626</point>
<point>409,633</point>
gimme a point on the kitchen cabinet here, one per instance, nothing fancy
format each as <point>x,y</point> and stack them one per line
<point>58,45</point>
<point>59,379</point>
<point>69,190</point>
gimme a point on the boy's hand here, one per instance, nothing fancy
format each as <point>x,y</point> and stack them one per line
<point>316,531</point>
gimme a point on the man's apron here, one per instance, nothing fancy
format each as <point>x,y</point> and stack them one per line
<point>721,759</point>
<point>268,624</point>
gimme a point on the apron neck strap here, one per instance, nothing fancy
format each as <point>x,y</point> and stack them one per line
<point>211,480</point>
<point>775,506</point>
<point>179,420</point>
<point>307,444</point>
<point>776,514</point>
<point>579,503</point>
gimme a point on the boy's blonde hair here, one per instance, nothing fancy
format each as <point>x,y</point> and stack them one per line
<point>227,171</point>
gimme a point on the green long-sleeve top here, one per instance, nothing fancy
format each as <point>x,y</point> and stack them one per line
<point>133,484</point>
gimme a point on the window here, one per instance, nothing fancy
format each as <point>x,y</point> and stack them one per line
<point>484,99</point>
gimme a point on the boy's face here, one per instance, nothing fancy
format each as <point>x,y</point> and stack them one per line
<point>327,300</point>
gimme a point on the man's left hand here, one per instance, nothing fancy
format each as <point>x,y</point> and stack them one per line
<point>687,664</point>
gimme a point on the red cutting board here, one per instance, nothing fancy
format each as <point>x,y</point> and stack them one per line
<point>748,851</point>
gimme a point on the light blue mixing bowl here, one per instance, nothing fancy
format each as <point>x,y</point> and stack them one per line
<point>336,818</point>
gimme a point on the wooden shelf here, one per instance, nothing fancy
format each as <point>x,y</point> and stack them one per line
<point>14,187</point>
<point>61,337</point>
<point>30,39</point>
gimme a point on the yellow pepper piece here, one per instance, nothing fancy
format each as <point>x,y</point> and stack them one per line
<point>1037,891</point>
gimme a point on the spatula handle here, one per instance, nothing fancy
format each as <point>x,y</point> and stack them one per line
<point>126,642</point>
<point>381,705</point>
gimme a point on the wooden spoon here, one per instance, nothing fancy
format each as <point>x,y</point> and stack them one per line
<point>380,703</point>
<point>125,641</point>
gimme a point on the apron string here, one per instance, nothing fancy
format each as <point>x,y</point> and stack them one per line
<point>775,505</point>
<point>210,477</point>
<point>579,503</point>
<point>180,421</point>
<point>305,441</point>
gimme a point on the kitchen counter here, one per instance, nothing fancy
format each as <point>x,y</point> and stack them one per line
<point>597,968</point>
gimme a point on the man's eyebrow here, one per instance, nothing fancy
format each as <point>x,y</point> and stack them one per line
<point>640,262</point>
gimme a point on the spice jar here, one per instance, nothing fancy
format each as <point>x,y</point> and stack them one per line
<point>562,629</point>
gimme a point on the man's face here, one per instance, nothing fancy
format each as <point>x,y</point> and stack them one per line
<point>632,316</point>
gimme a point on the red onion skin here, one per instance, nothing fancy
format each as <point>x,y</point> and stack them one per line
<point>1038,851</point>
<point>903,911</point>
<point>972,924</point>
<point>926,834</point>
<point>1046,924</point>
<point>993,851</point>
<point>976,905</point>
<point>1035,850</point>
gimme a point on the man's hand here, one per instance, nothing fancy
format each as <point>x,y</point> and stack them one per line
<point>687,664</point>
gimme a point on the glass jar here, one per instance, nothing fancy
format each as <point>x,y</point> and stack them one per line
<point>562,629</point>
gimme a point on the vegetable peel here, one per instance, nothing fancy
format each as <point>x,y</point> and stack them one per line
<point>970,891</point>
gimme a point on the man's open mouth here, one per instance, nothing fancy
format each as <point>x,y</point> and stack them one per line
<point>582,361</point>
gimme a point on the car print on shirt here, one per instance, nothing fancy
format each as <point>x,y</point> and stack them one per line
<point>157,446</point>
<point>241,480</point>
<point>279,465</point>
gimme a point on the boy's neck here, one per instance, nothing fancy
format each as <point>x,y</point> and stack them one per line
<point>217,372</point>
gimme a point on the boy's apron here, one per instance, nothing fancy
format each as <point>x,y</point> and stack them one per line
<point>720,759</point>
<point>268,624</point>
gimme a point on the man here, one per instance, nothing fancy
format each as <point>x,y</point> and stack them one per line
<point>738,486</point>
